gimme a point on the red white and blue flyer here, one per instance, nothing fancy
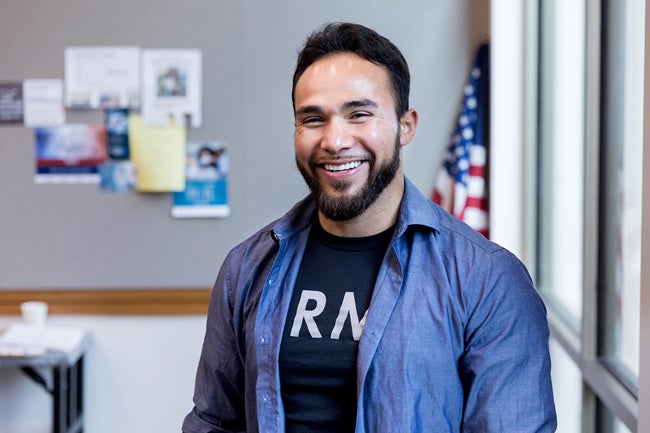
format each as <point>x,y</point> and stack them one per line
<point>69,153</point>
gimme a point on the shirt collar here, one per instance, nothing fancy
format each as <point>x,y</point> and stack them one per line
<point>415,210</point>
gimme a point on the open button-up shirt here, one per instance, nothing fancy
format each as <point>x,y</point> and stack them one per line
<point>456,338</point>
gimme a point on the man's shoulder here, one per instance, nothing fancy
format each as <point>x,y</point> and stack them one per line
<point>269,236</point>
<point>420,211</point>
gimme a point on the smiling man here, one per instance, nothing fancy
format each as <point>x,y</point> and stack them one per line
<point>348,143</point>
<point>367,308</point>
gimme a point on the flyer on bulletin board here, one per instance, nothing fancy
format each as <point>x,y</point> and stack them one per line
<point>117,133</point>
<point>117,176</point>
<point>158,153</point>
<point>69,153</point>
<point>11,103</point>
<point>43,100</point>
<point>206,184</point>
<point>102,77</point>
<point>171,86</point>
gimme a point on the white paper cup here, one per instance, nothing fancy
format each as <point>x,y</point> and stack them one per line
<point>34,313</point>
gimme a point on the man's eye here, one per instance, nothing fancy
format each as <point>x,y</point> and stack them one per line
<point>311,120</point>
<point>359,115</point>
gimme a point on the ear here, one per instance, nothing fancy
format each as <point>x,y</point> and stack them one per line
<point>407,125</point>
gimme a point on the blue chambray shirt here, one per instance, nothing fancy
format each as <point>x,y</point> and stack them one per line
<point>456,339</point>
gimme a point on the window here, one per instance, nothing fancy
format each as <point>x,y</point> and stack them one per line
<point>608,421</point>
<point>620,191</point>
<point>589,204</point>
<point>567,384</point>
<point>561,151</point>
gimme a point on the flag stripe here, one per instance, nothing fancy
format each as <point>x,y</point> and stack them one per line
<point>461,182</point>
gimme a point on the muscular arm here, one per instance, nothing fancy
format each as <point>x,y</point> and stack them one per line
<point>506,366</point>
<point>219,389</point>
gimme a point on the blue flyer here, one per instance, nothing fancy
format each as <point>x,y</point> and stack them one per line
<point>117,131</point>
<point>206,183</point>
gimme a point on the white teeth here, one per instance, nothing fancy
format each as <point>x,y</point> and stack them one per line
<point>341,167</point>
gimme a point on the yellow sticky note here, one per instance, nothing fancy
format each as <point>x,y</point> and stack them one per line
<point>158,153</point>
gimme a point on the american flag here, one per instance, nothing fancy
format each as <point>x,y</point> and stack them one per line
<point>461,182</point>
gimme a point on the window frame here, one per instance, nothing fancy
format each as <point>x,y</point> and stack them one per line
<point>600,382</point>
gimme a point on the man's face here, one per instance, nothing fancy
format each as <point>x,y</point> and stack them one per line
<point>347,137</point>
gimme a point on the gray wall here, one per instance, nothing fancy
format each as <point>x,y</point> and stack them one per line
<point>74,236</point>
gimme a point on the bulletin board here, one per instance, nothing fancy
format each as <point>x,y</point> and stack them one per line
<point>74,237</point>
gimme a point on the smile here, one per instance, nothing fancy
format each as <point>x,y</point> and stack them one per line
<point>342,167</point>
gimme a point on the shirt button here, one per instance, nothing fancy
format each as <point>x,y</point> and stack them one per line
<point>263,340</point>
<point>265,399</point>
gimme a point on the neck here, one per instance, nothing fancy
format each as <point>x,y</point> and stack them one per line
<point>380,216</point>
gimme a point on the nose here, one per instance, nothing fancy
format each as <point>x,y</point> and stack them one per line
<point>336,136</point>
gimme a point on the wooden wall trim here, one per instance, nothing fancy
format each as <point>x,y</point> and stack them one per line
<point>134,302</point>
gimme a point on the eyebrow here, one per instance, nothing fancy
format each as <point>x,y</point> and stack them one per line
<point>355,103</point>
<point>360,103</point>
<point>308,109</point>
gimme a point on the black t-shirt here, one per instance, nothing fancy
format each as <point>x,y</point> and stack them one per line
<point>319,346</point>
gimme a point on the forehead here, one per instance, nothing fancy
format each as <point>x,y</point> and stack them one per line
<point>345,75</point>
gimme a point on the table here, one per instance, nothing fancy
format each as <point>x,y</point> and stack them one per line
<point>66,387</point>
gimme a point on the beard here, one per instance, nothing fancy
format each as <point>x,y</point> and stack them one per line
<point>345,208</point>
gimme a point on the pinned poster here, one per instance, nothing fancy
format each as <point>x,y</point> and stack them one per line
<point>117,130</point>
<point>11,103</point>
<point>158,153</point>
<point>206,184</point>
<point>102,77</point>
<point>43,102</point>
<point>172,87</point>
<point>69,153</point>
<point>117,176</point>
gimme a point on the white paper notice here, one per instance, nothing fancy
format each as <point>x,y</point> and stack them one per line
<point>172,87</point>
<point>102,77</point>
<point>43,102</point>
